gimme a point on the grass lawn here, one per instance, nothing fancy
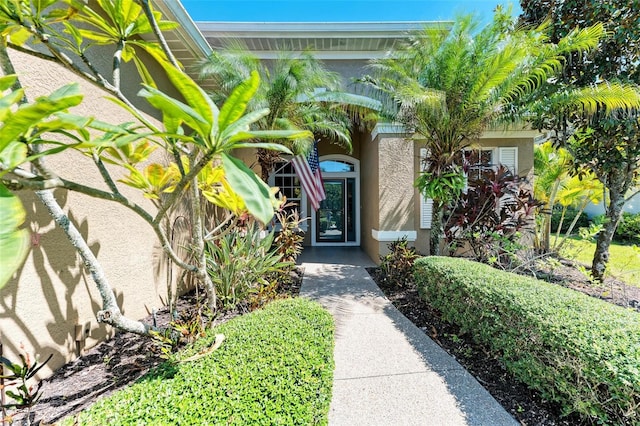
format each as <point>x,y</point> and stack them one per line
<point>274,367</point>
<point>624,260</point>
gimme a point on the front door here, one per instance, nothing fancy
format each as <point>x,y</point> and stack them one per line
<point>337,221</point>
<point>331,216</point>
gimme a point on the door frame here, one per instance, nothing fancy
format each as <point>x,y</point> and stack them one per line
<point>328,175</point>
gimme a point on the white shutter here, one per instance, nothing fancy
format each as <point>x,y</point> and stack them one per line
<point>508,157</point>
<point>426,204</point>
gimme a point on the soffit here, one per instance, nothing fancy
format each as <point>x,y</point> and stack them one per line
<point>344,40</point>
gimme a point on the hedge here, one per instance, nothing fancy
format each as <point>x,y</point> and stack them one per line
<point>578,351</point>
<point>274,367</point>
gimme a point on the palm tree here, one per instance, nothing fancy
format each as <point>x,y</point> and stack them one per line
<point>448,86</point>
<point>553,185</point>
<point>299,92</point>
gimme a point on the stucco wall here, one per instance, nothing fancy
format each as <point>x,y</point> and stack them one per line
<point>52,293</point>
<point>370,202</point>
<point>387,187</point>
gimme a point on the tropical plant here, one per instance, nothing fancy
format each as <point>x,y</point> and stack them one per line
<point>299,92</point>
<point>608,145</point>
<point>289,234</point>
<point>240,262</point>
<point>447,86</point>
<point>397,265</point>
<point>490,217</point>
<point>25,396</point>
<point>198,135</point>
<point>556,187</point>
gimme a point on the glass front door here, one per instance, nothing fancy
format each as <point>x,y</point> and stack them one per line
<point>331,217</point>
<point>335,219</point>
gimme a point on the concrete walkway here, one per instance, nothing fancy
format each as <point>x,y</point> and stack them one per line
<point>387,372</point>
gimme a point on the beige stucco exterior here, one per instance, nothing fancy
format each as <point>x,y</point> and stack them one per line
<point>52,293</point>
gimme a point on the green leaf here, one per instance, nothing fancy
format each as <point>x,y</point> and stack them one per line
<point>175,111</point>
<point>236,104</point>
<point>195,97</point>
<point>242,124</point>
<point>7,81</point>
<point>13,155</point>
<point>271,146</point>
<point>251,188</point>
<point>14,242</point>
<point>270,134</point>
<point>30,115</point>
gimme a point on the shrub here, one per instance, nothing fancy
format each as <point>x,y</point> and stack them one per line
<point>241,263</point>
<point>274,367</point>
<point>397,265</point>
<point>629,228</point>
<point>489,217</point>
<point>578,351</point>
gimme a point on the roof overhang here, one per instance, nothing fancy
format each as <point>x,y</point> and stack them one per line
<point>325,40</point>
<point>186,42</point>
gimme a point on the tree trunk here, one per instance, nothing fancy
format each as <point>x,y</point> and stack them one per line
<point>617,189</point>
<point>202,275</point>
<point>110,313</point>
<point>437,228</point>
<point>572,225</point>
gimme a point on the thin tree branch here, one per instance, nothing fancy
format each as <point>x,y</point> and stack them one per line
<point>117,64</point>
<point>158,33</point>
<point>105,173</point>
<point>181,185</point>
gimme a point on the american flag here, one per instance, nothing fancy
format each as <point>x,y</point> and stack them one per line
<point>308,170</point>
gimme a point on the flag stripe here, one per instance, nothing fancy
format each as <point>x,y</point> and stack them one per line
<point>307,180</point>
<point>308,171</point>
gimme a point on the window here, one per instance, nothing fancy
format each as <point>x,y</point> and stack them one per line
<point>478,161</point>
<point>336,166</point>
<point>287,181</point>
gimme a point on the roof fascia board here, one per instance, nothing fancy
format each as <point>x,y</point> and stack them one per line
<point>315,29</point>
<point>191,35</point>
<point>326,55</point>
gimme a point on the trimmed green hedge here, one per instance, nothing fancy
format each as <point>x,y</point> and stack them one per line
<point>275,367</point>
<point>576,350</point>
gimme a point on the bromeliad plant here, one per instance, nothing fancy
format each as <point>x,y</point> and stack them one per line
<point>196,134</point>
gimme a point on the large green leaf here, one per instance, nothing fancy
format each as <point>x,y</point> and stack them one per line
<point>269,134</point>
<point>242,124</point>
<point>30,115</point>
<point>175,111</point>
<point>250,187</point>
<point>195,97</point>
<point>236,104</point>
<point>13,155</point>
<point>14,242</point>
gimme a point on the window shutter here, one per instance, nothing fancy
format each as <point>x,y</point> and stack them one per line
<point>426,204</point>
<point>508,157</point>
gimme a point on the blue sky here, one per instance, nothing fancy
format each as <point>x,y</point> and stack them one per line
<point>337,10</point>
